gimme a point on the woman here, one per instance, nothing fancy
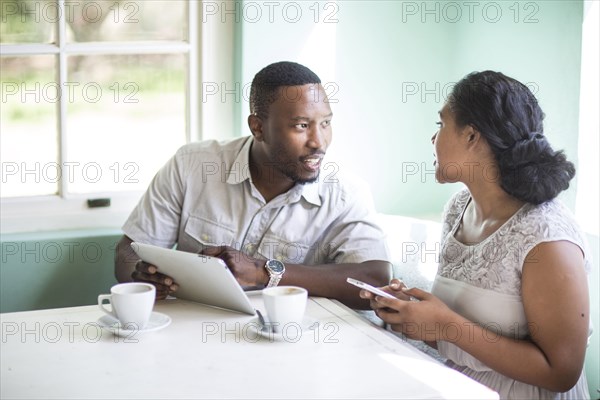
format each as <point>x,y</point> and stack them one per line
<point>509,306</point>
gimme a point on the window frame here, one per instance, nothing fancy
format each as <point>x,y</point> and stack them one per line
<point>66,211</point>
<point>586,201</point>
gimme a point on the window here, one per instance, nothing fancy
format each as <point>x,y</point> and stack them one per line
<point>96,96</point>
<point>586,206</point>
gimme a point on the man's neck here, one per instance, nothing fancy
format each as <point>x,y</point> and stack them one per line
<point>270,190</point>
<point>268,181</point>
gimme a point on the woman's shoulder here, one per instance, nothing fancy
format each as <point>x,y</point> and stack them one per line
<point>453,210</point>
<point>548,222</point>
<point>456,204</point>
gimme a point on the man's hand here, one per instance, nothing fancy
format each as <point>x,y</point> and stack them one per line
<point>164,284</point>
<point>248,271</point>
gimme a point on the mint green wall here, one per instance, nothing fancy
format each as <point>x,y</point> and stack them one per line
<point>545,54</point>
<point>393,78</point>
<point>55,269</point>
<point>381,131</point>
<point>377,63</point>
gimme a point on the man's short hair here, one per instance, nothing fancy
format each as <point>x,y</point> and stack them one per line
<point>267,81</point>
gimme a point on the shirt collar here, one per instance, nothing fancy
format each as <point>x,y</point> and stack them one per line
<point>310,192</point>
<point>239,171</point>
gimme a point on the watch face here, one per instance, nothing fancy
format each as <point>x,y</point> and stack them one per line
<point>276,266</point>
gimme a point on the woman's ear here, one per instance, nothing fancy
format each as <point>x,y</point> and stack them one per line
<point>472,135</point>
<point>255,125</point>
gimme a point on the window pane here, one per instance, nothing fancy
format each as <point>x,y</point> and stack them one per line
<point>28,21</point>
<point>125,118</point>
<point>99,20</point>
<point>28,136</point>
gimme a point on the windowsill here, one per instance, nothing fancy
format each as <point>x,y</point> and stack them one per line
<point>51,213</point>
<point>59,234</point>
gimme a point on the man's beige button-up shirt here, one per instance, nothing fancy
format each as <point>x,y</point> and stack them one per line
<point>204,195</point>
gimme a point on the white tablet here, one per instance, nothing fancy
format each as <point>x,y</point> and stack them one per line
<point>201,278</point>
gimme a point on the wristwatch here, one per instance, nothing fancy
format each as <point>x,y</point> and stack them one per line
<point>275,268</point>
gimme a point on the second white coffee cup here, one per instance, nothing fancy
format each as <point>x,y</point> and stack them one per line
<point>132,304</point>
<point>285,305</point>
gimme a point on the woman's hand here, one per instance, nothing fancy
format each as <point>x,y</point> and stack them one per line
<point>415,313</point>
<point>394,288</point>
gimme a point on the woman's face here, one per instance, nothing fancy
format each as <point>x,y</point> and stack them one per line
<point>449,148</point>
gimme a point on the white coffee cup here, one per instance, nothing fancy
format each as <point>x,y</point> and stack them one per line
<point>131,304</point>
<point>284,305</point>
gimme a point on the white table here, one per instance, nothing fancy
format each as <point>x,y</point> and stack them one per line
<point>211,353</point>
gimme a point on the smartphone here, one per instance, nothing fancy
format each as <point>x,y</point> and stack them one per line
<point>369,288</point>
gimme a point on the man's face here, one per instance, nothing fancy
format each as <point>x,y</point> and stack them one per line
<point>297,132</point>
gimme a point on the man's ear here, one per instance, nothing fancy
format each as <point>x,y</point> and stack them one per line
<point>255,125</point>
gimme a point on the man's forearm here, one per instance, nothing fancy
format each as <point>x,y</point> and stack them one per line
<point>330,280</point>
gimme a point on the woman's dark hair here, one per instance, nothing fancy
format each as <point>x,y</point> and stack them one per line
<point>268,80</point>
<point>508,116</point>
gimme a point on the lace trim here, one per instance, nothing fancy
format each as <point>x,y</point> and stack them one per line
<point>496,263</point>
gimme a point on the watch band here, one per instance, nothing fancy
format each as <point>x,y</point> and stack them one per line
<point>273,280</point>
<point>275,269</point>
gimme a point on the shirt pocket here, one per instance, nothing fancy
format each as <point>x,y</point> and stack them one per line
<point>273,247</point>
<point>200,233</point>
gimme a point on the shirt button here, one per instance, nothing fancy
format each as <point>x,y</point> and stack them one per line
<point>204,237</point>
<point>279,258</point>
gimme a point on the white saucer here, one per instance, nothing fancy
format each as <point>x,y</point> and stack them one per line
<point>157,321</point>
<point>292,333</point>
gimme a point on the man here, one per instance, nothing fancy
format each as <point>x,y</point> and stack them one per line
<point>258,203</point>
